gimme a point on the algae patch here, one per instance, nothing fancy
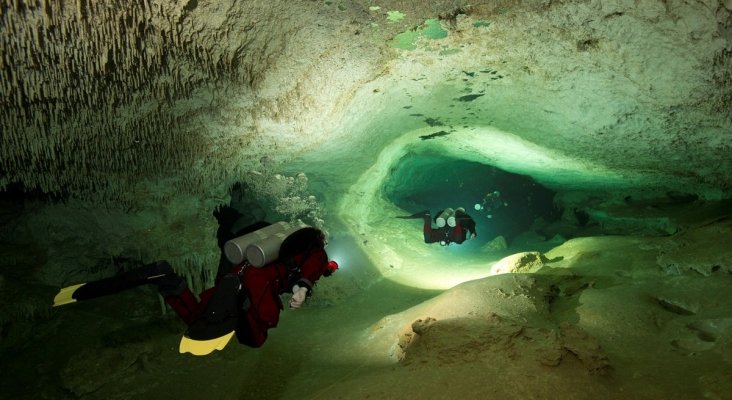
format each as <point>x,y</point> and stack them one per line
<point>394,16</point>
<point>431,29</point>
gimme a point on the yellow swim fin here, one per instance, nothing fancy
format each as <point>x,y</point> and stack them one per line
<point>204,347</point>
<point>64,296</point>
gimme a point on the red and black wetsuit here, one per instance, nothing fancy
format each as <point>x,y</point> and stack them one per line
<point>458,234</point>
<point>247,298</point>
<point>259,302</point>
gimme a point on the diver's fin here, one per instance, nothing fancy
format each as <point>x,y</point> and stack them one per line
<point>213,329</point>
<point>66,295</point>
<point>203,347</point>
<point>159,273</point>
<point>416,215</point>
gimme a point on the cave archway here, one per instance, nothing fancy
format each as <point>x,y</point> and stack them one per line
<point>411,174</point>
<point>431,180</point>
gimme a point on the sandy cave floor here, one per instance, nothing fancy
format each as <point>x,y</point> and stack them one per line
<point>616,317</point>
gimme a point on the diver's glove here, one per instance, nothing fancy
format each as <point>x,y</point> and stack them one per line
<point>298,296</point>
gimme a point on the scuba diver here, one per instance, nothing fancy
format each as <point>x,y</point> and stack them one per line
<point>491,202</point>
<point>268,261</point>
<point>453,226</point>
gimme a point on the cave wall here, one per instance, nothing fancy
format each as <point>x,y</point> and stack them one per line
<point>157,108</point>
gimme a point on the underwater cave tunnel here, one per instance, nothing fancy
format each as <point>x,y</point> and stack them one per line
<point>630,98</point>
<point>429,180</point>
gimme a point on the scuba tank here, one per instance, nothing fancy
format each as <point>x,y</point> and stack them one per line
<point>442,219</point>
<point>235,249</point>
<point>261,246</point>
<point>265,251</point>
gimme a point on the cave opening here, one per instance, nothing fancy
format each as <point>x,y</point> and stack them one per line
<point>430,180</point>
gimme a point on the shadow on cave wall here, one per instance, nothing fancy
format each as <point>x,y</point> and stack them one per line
<point>429,180</point>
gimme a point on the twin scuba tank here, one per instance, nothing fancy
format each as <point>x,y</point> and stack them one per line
<point>262,246</point>
<point>447,217</point>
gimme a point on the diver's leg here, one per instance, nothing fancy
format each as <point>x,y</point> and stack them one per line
<point>430,235</point>
<point>154,273</point>
<point>176,293</point>
<point>171,286</point>
<point>184,304</point>
<point>419,214</point>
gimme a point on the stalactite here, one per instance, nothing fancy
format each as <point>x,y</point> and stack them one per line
<point>46,9</point>
<point>70,68</point>
<point>79,10</point>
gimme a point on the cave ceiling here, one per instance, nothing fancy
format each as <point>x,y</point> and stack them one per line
<point>106,100</point>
